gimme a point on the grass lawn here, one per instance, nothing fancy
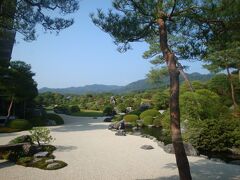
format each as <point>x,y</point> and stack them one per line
<point>8,130</point>
<point>88,113</point>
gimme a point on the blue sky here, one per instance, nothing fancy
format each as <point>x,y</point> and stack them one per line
<point>83,55</point>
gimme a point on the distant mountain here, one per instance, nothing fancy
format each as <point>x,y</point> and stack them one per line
<point>140,85</point>
<point>95,88</point>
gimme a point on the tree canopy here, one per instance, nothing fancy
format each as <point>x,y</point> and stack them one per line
<point>24,15</point>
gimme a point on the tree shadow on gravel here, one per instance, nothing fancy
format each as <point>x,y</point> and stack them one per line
<point>6,164</point>
<point>207,169</point>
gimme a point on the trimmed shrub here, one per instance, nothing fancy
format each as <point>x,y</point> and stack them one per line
<point>157,121</point>
<point>41,135</point>
<point>109,111</point>
<point>58,119</point>
<point>131,118</point>
<point>149,112</point>
<point>74,109</point>
<point>38,121</point>
<point>61,109</point>
<point>147,120</point>
<point>21,124</point>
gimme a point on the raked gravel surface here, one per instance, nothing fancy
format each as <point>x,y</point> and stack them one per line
<point>95,153</point>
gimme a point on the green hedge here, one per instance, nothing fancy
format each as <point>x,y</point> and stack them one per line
<point>38,121</point>
<point>131,118</point>
<point>147,120</point>
<point>58,119</point>
<point>20,124</point>
<point>74,109</point>
<point>149,112</point>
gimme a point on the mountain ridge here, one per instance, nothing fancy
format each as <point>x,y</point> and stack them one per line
<point>139,85</point>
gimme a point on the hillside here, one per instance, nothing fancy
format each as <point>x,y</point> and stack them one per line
<point>139,85</point>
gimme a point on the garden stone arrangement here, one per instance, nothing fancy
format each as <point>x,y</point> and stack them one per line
<point>22,151</point>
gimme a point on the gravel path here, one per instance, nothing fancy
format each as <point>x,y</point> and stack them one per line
<point>93,152</point>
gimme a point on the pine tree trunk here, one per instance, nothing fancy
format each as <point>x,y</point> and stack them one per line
<point>232,89</point>
<point>180,154</point>
<point>10,108</point>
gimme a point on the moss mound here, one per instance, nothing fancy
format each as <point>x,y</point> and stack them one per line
<point>21,124</point>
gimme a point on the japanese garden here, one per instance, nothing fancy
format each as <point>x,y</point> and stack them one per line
<point>158,119</point>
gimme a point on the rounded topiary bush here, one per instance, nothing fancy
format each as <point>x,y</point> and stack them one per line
<point>38,121</point>
<point>147,120</point>
<point>131,118</point>
<point>74,109</point>
<point>21,124</point>
<point>149,112</point>
<point>58,119</point>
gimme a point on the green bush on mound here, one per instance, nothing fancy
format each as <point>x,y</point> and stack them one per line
<point>21,124</point>
<point>149,112</point>
<point>147,120</point>
<point>58,119</point>
<point>131,118</point>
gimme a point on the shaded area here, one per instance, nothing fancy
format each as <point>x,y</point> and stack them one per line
<point>6,164</point>
<point>206,169</point>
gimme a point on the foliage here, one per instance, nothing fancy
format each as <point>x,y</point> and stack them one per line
<point>161,100</point>
<point>38,120</point>
<point>214,134</point>
<point>201,104</point>
<point>24,16</point>
<point>109,111</point>
<point>88,113</point>
<point>131,118</point>
<point>74,109</point>
<point>157,122</point>
<point>147,120</point>
<point>62,109</point>
<point>41,135</point>
<point>117,118</point>
<point>58,119</point>
<point>21,139</point>
<point>149,112</point>
<point>20,124</point>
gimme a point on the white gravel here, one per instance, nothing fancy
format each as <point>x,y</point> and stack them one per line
<point>95,153</point>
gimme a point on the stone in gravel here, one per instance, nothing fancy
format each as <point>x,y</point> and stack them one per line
<point>41,154</point>
<point>147,147</point>
<point>120,133</point>
<point>53,166</point>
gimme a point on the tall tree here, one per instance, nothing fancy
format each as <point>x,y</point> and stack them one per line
<point>24,15</point>
<point>223,52</point>
<point>137,20</point>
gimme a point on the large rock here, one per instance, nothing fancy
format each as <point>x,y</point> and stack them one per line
<point>189,149</point>
<point>41,154</point>
<point>147,147</point>
<point>108,119</point>
<point>21,139</point>
<point>114,125</point>
<point>29,149</point>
